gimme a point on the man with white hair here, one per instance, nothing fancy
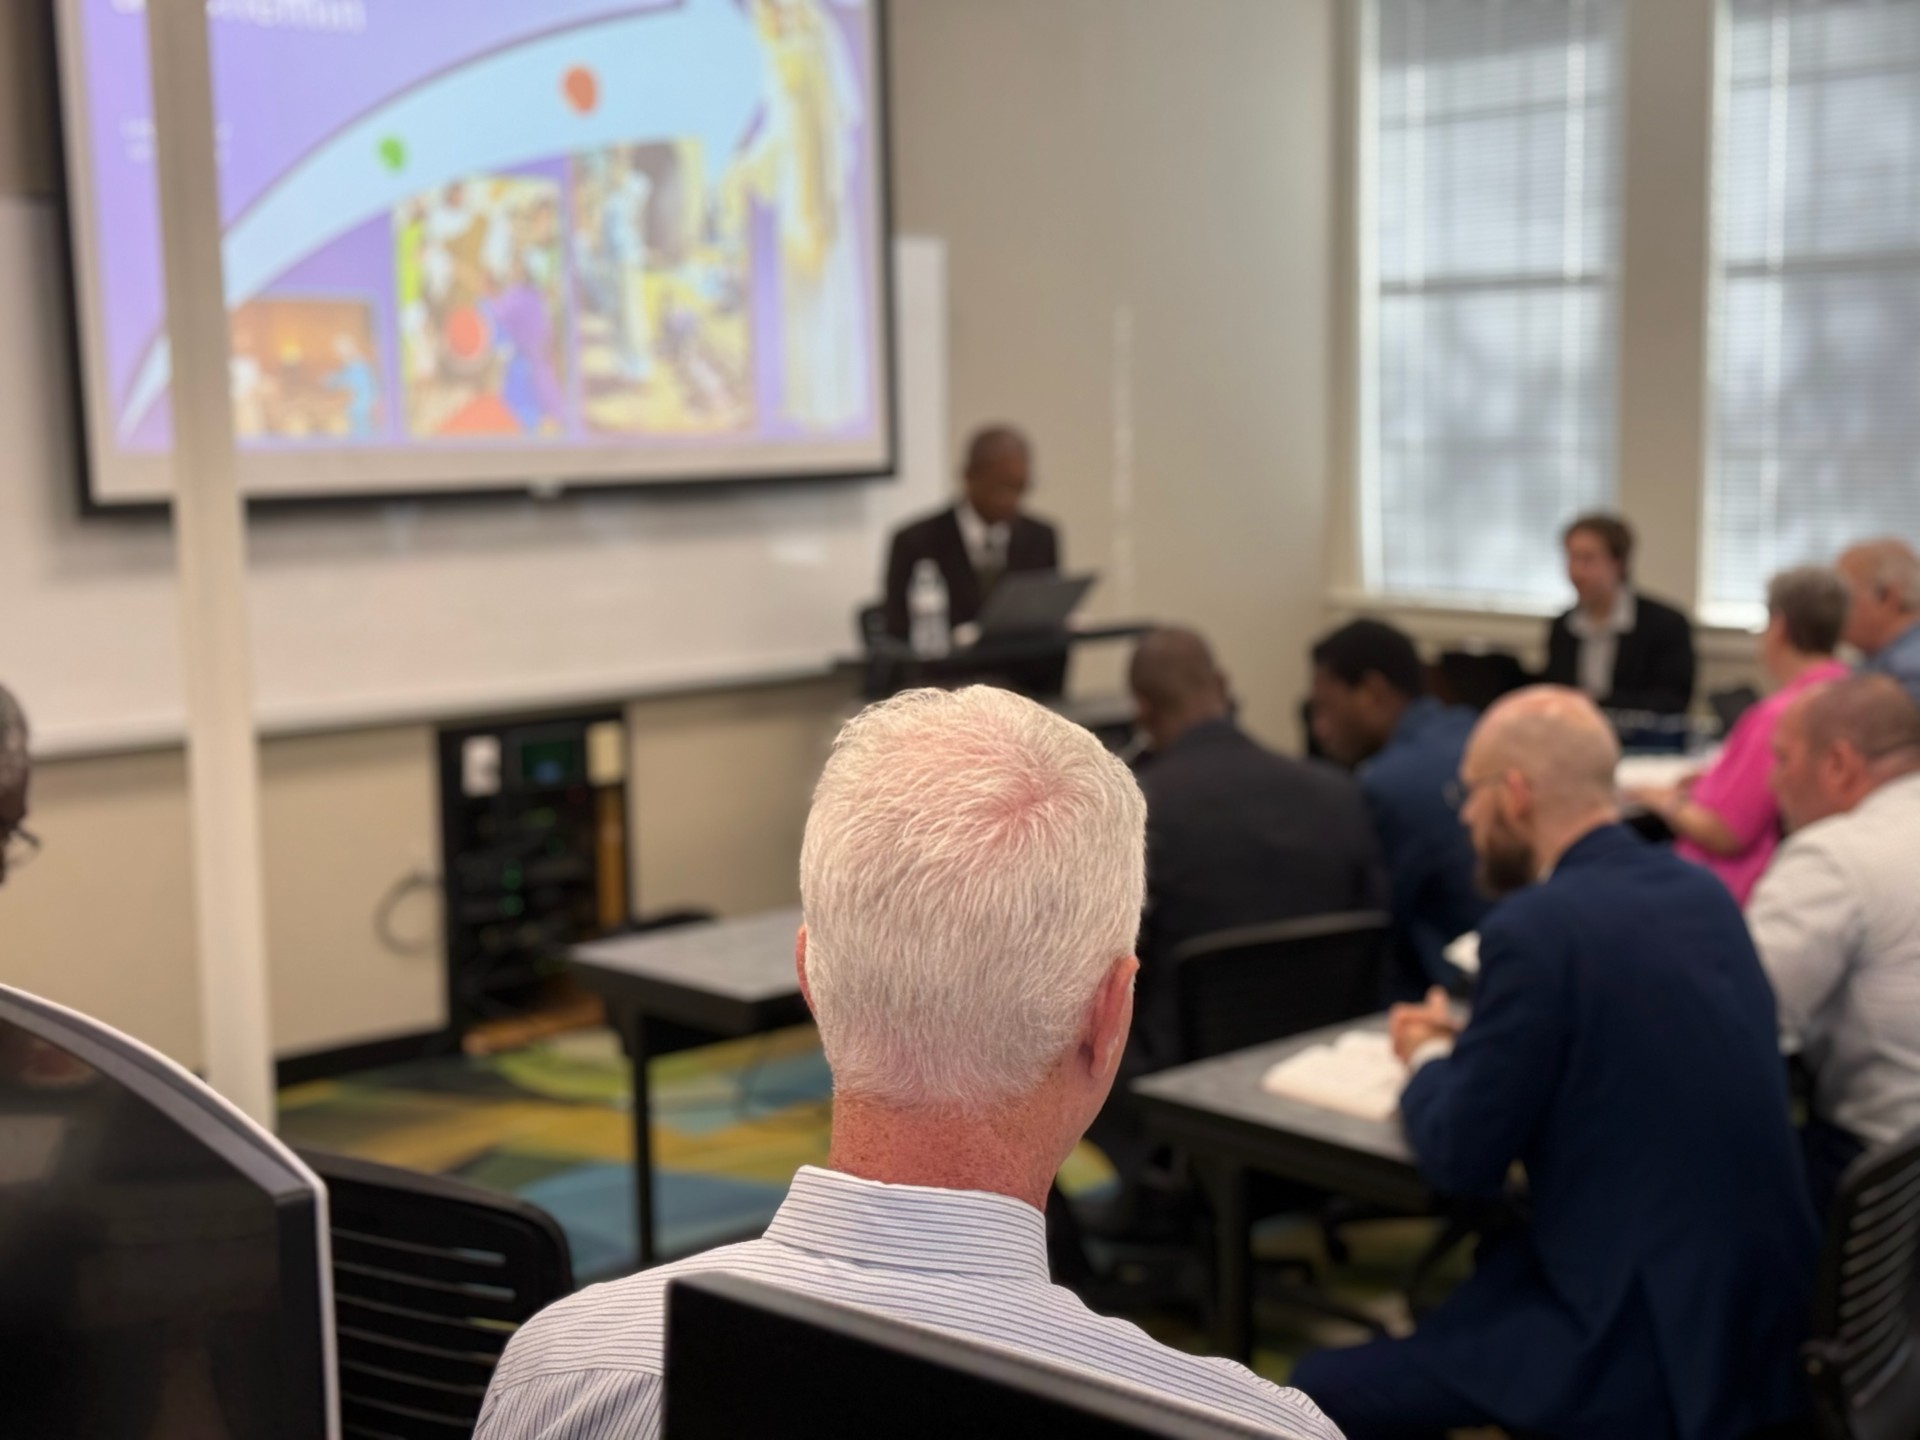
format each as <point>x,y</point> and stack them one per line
<point>971,882</point>
<point>1622,1053</point>
<point>16,842</point>
<point>1883,622</point>
<point>1837,918</point>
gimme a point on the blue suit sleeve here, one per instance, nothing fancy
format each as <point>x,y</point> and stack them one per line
<point>1472,1114</point>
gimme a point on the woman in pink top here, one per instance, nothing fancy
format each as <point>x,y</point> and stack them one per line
<point>1725,818</point>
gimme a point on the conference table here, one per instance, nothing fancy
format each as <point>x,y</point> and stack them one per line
<point>1216,1112</point>
<point>674,989</point>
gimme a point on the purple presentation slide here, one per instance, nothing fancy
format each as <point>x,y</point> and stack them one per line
<point>631,233</point>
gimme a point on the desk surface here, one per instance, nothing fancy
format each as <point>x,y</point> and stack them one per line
<point>1218,1106</point>
<point>735,977</point>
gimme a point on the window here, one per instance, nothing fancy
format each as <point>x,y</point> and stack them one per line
<point>1489,287</point>
<point>1816,432</point>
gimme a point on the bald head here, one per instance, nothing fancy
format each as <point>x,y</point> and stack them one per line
<point>1553,737</point>
<point>1538,775</point>
<point>1884,578</point>
<point>1838,743</point>
<point>1176,684</point>
<point>1872,713</point>
<point>998,473</point>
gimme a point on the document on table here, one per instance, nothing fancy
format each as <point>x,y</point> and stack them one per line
<point>1358,1074</point>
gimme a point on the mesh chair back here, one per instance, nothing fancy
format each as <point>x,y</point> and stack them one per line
<point>1864,1360</point>
<point>1266,982</point>
<point>431,1279</point>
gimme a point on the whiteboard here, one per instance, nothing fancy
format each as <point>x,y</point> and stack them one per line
<point>406,612</point>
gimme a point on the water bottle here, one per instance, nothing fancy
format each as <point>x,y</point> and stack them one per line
<point>929,632</point>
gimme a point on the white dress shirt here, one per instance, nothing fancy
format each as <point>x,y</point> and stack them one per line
<point>960,1261</point>
<point>986,544</point>
<point>1837,923</point>
<point>1600,642</point>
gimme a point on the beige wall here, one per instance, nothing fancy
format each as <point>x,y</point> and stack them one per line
<point>1095,166</point>
<point>1100,164</point>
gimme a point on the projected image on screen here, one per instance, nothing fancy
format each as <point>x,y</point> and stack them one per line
<point>487,243</point>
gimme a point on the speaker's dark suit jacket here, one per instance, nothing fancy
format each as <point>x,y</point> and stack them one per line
<point>1032,545</point>
<point>1653,665</point>
<point>1237,835</point>
<point>1623,1050</point>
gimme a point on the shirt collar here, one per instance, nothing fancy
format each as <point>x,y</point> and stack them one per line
<point>911,1227</point>
<point>1620,620</point>
<point>972,526</point>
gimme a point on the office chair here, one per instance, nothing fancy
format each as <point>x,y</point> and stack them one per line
<point>1248,986</point>
<point>1863,1362</point>
<point>1479,677</point>
<point>431,1278</point>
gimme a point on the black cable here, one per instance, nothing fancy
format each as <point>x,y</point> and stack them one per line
<point>390,902</point>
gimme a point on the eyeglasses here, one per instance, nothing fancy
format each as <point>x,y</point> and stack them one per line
<point>1457,795</point>
<point>17,848</point>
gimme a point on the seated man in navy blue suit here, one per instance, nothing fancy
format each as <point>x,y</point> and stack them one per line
<point>1623,1051</point>
<point>1371,710</point>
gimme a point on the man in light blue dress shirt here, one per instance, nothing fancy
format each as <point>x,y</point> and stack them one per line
<point>972,879</point>
<point>1883,623</point>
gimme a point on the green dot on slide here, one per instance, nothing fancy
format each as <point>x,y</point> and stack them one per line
<point>393,153</point>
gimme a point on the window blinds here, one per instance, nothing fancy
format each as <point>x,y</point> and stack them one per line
<point>1816,432</point>
<point>1489,287</point>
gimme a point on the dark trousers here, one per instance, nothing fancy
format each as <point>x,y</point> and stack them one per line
<point>1828,1151</point>
<point>1379,1391</point>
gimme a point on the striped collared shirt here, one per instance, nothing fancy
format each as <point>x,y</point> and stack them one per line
<point>969,1263</point>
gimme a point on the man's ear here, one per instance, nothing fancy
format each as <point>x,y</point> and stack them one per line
<point>800,966</point>
<point>1111,1019</point>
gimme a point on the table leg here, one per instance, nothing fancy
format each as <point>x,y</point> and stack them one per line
<point>1233,1262</point>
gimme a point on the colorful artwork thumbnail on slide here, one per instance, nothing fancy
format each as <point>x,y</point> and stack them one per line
<point>570,223</point>
<point>481,308</point>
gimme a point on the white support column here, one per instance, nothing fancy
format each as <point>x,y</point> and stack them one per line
<point>209,525</point>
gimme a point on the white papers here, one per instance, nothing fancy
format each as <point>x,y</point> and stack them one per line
<point>1358,1074</point>
<point>1464,953</point>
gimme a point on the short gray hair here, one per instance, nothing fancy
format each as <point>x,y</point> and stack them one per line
<point>1890,565</point>
<point>973,866</point>
<point>1813,602</point>
<point>13,746</point>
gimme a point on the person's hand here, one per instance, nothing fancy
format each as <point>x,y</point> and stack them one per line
<point>1411,1026</point>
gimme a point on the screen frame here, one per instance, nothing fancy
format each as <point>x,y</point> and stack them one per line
<point>223,1128</point>
<point>71,236</point>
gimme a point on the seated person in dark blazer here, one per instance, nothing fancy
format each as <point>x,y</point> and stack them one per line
<point>978,540</point>
<point>1625,650</point>
<point>1623,1051</point>
<point>1236,835</point>
<point>1371,711</point>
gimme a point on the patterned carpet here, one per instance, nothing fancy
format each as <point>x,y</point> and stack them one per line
<point>732,1123</point>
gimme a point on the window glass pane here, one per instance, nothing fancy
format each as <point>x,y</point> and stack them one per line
<point>1491,304</point>
<point>1816,439</point>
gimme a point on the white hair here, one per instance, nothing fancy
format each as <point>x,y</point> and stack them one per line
<point>1892,566</point>
<point>973,866</point>
<point>13,746</point>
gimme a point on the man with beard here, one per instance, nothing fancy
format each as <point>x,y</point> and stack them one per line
<point>1623,1051</point>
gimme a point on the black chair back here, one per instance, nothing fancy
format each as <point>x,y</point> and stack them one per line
<point>1265,982</point>
<point>1479,677</point>
<point>431,1277</point>
<point>1863,1364</point>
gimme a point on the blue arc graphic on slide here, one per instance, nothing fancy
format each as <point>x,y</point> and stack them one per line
<point>691,72</point>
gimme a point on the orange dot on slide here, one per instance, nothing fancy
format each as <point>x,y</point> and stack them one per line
<point>466,333</point>
<point>583,89</point>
